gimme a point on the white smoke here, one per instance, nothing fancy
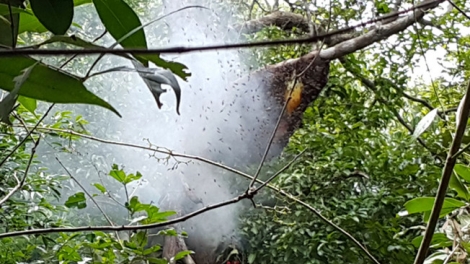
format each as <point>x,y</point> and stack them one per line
<point>218,119</point>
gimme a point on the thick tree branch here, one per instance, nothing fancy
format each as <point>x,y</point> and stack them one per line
<point>379,33</point>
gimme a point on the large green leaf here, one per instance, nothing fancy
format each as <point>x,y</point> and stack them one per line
<point>459,187</point>
<point>119,19</point>
<point>47,84</point>
<point>425,204</point>
<point>29,103</point>
<point>77,200</point>
<point>55,15</point>
<point>463,171</point>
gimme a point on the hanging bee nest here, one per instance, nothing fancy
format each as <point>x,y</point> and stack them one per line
<point>297,82</point>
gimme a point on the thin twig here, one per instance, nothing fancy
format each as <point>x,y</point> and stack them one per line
<point>89,196</point>
<point>25,138</point>
<point>459,9</point>
<point>445,179</point>
<point>24,125</point>
<point>21,183</point>
<point>280,171</point>
<point>449,257</point>
<point>12,26</point>
<point>85,191</point>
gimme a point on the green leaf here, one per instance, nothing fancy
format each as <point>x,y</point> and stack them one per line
<point>77,200</point>
<point>81,2</point>
<point>182,254</point>
<point>6,105</point>
<point>168,232</point>
<point>30,23</point>
<point>119,19</point>
<point>100,187</point>
<point>424,123</point>
<point>439,240</point>
<point>29,103</point>
<point>463,171</point>
<point>459,187</point>
<point>425,204</point>
<point>251,258</point>
<point>155,217</point>
<point>157,261</point>
<point>151,250</point>
<point>125,27</point>
<point>118,174</point>
<point>47,84</point>
<point>139,238</point>
<point>131,177</point>
<point>134,205</point>
<point>121,176</point>
<point>55,15</point>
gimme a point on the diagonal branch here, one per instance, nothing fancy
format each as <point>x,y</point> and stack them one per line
<point>380,33</point>
<point>21,183</point>
<point>26,137</point>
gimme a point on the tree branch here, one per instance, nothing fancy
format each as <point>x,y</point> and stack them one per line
<point>379,33</point>
<point>21,183</point>
<point>26,137</point>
